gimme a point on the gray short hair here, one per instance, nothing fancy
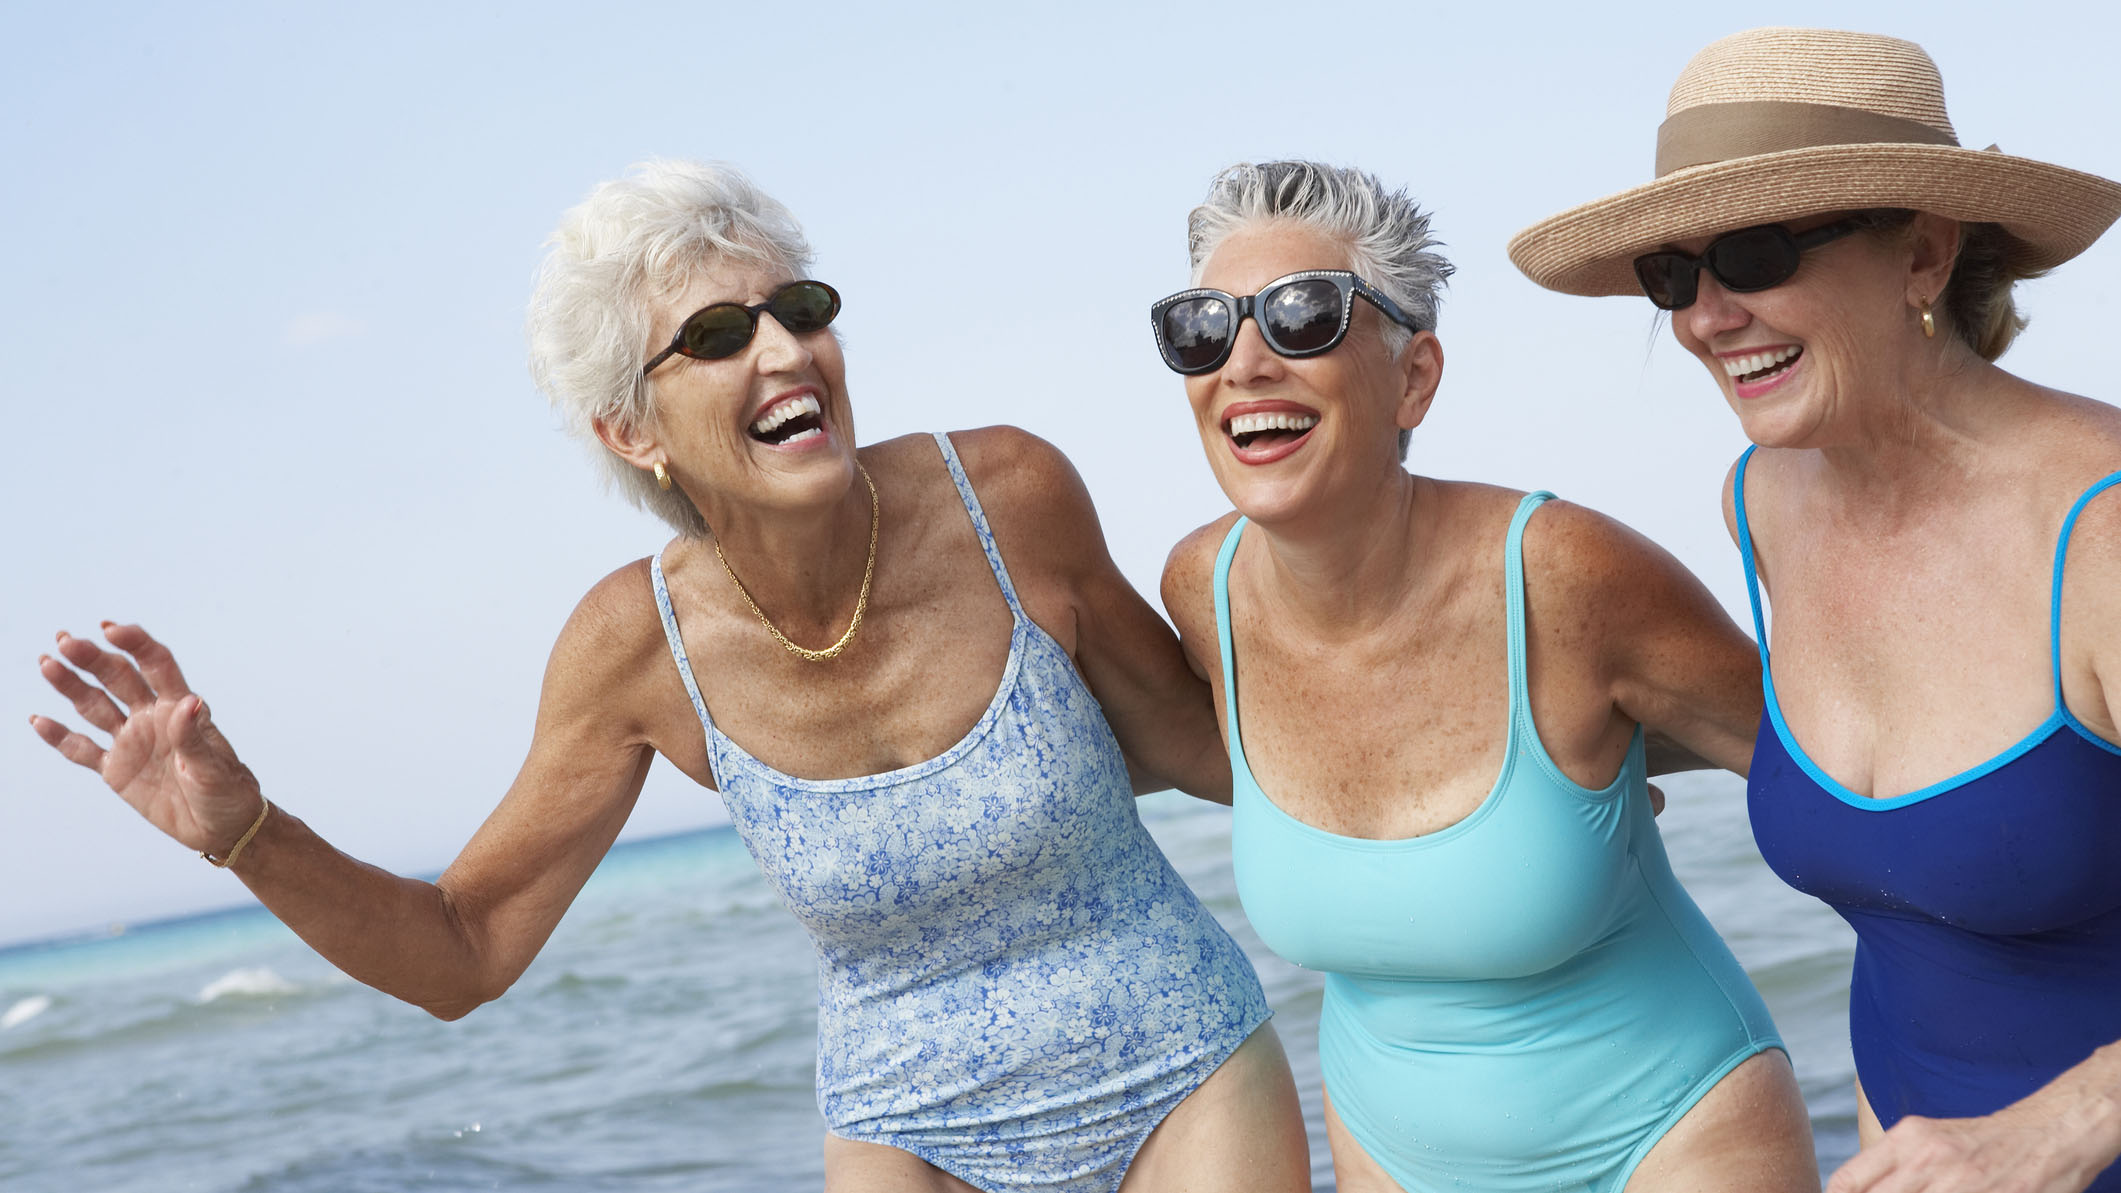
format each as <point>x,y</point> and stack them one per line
<point>1386,233</point>
<point>633,240</point>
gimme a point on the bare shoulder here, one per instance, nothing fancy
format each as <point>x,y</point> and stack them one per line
<point>611,641</point>
<point>1033,497</point>
<point>1189,577</point>
<point>1013,464</point>
<point>1580,558</point>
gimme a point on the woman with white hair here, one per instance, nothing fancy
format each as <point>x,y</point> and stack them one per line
<point>1940,757</point>
<point>1016,989</point>
<point>1442,701</point>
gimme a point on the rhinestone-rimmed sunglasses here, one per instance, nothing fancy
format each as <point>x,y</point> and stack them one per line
<point>1300,314</point>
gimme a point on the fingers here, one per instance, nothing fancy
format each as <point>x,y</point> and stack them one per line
<point>116,674</point>
<point>154,659</point>
<point>95,707</point>
<point>196,738</point>
<point>75,747</point>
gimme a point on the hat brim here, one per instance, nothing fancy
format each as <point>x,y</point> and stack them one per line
<point>1590,250</point>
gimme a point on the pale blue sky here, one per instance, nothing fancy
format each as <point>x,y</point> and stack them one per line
<point>261,348</point>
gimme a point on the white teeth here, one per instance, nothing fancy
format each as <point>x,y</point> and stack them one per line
<point>781,412</point>
<point>799,436</point>
<point>1738,366</point>
<point>1249,424</point>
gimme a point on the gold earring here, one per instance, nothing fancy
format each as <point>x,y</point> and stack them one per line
<point>662,478</point>
<point>1929,325</point>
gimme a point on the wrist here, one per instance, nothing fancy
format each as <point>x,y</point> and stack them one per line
<point>227,857</point>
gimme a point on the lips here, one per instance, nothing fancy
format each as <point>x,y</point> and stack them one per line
<point>794,419</point>
<point>1263,432</point>
<point>1756,372</point>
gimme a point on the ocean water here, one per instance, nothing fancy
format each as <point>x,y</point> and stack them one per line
<point>663,1041</point>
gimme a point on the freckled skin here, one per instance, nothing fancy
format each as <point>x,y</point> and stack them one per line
<point>1904,505</point>
<point>1369,620</point>
<point>794,522</point>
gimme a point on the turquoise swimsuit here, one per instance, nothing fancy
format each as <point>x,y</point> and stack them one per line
<point>1526,1000</point>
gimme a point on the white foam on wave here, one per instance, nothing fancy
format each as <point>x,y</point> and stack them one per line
<point>25,1010</point>
<point>247,983</point>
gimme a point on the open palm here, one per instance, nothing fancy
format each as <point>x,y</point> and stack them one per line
<point>165,758</point>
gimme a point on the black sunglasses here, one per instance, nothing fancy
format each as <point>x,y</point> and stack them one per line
<point>713,332</point>
<point>1744,261</point>
<point>1303,314</point>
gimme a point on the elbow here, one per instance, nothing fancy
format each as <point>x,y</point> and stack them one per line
<point>451,1007</point>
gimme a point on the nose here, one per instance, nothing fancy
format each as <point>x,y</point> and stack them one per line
<point>778,349</point>
<point>1251,361</point>
<point>1714,310</point>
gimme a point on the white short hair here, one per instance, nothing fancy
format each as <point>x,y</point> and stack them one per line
<point>632,241</point>
<point>1387,235</point>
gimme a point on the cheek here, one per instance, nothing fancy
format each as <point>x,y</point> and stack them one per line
<point>1200,397</point>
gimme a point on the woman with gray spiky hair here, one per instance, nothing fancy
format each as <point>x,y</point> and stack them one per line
<point>1456,706</point>
<point>1016,991</point>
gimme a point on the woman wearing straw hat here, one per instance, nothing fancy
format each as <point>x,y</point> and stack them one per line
<point>1940,755</point>
<point>1441,703</point>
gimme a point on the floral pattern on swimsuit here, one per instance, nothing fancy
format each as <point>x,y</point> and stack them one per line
<point>1013,983</point>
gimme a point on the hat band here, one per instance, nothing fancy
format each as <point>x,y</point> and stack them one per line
<point>1719,132</point>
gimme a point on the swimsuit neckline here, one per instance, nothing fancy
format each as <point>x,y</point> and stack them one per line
<point>2056,719</point>
<point>1520,738</point>
<point>1021,630</point>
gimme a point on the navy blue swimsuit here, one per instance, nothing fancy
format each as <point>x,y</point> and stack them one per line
<point>1987,907</point>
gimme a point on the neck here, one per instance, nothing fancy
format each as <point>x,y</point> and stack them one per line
<point>1346,568</point>
<point>802,565</point>
<point>1919,441</point>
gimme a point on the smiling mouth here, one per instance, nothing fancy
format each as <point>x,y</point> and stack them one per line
<point>1268,429</point>
<point>790,421</point>
<point>1762,365</point>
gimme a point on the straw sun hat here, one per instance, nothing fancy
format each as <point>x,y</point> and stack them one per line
<point>1775,124</point>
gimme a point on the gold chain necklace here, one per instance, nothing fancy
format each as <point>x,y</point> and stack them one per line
<point>860,602</point>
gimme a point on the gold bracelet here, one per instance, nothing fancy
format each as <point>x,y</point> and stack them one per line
<point>237,848</point>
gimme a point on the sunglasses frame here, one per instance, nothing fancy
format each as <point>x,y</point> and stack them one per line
<point>1247,307</point>
<point>751,313</point>
<point>1799,243</point>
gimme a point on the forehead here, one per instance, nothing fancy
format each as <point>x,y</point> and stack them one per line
<point>721,280</point>
<point>1257,253</point>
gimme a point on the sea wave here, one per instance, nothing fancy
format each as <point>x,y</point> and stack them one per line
<point>247,983</point>
<point>25,1010</point>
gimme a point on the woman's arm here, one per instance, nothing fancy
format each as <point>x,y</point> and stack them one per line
<point>1160,711</point>
<point>2055,1140</point>
<point>446,946</point>
<point>1667,654</point>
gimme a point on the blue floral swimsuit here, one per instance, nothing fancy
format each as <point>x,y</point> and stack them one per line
<point>1013,983</point>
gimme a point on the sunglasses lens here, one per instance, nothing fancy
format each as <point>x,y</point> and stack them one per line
<point>718,331</point>
<point>1753,259</point>
<point>1668,278</point>
<point>1196,333</point>
<point>805,306</point>
<point>1302,317</point>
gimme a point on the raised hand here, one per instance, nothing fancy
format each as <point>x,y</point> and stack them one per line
<point>165,758</point>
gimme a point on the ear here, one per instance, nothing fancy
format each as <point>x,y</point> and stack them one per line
<point>1933,242</point>
<point>636,446</point>
<point>1421,364</point>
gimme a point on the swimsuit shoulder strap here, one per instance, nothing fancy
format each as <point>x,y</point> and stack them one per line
<point>1513,588</point>
<point>2069,523</point>
<point>1745,552</point>
<point>677,645</point>
<point>1222,622</point>
<point>979,519</point>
